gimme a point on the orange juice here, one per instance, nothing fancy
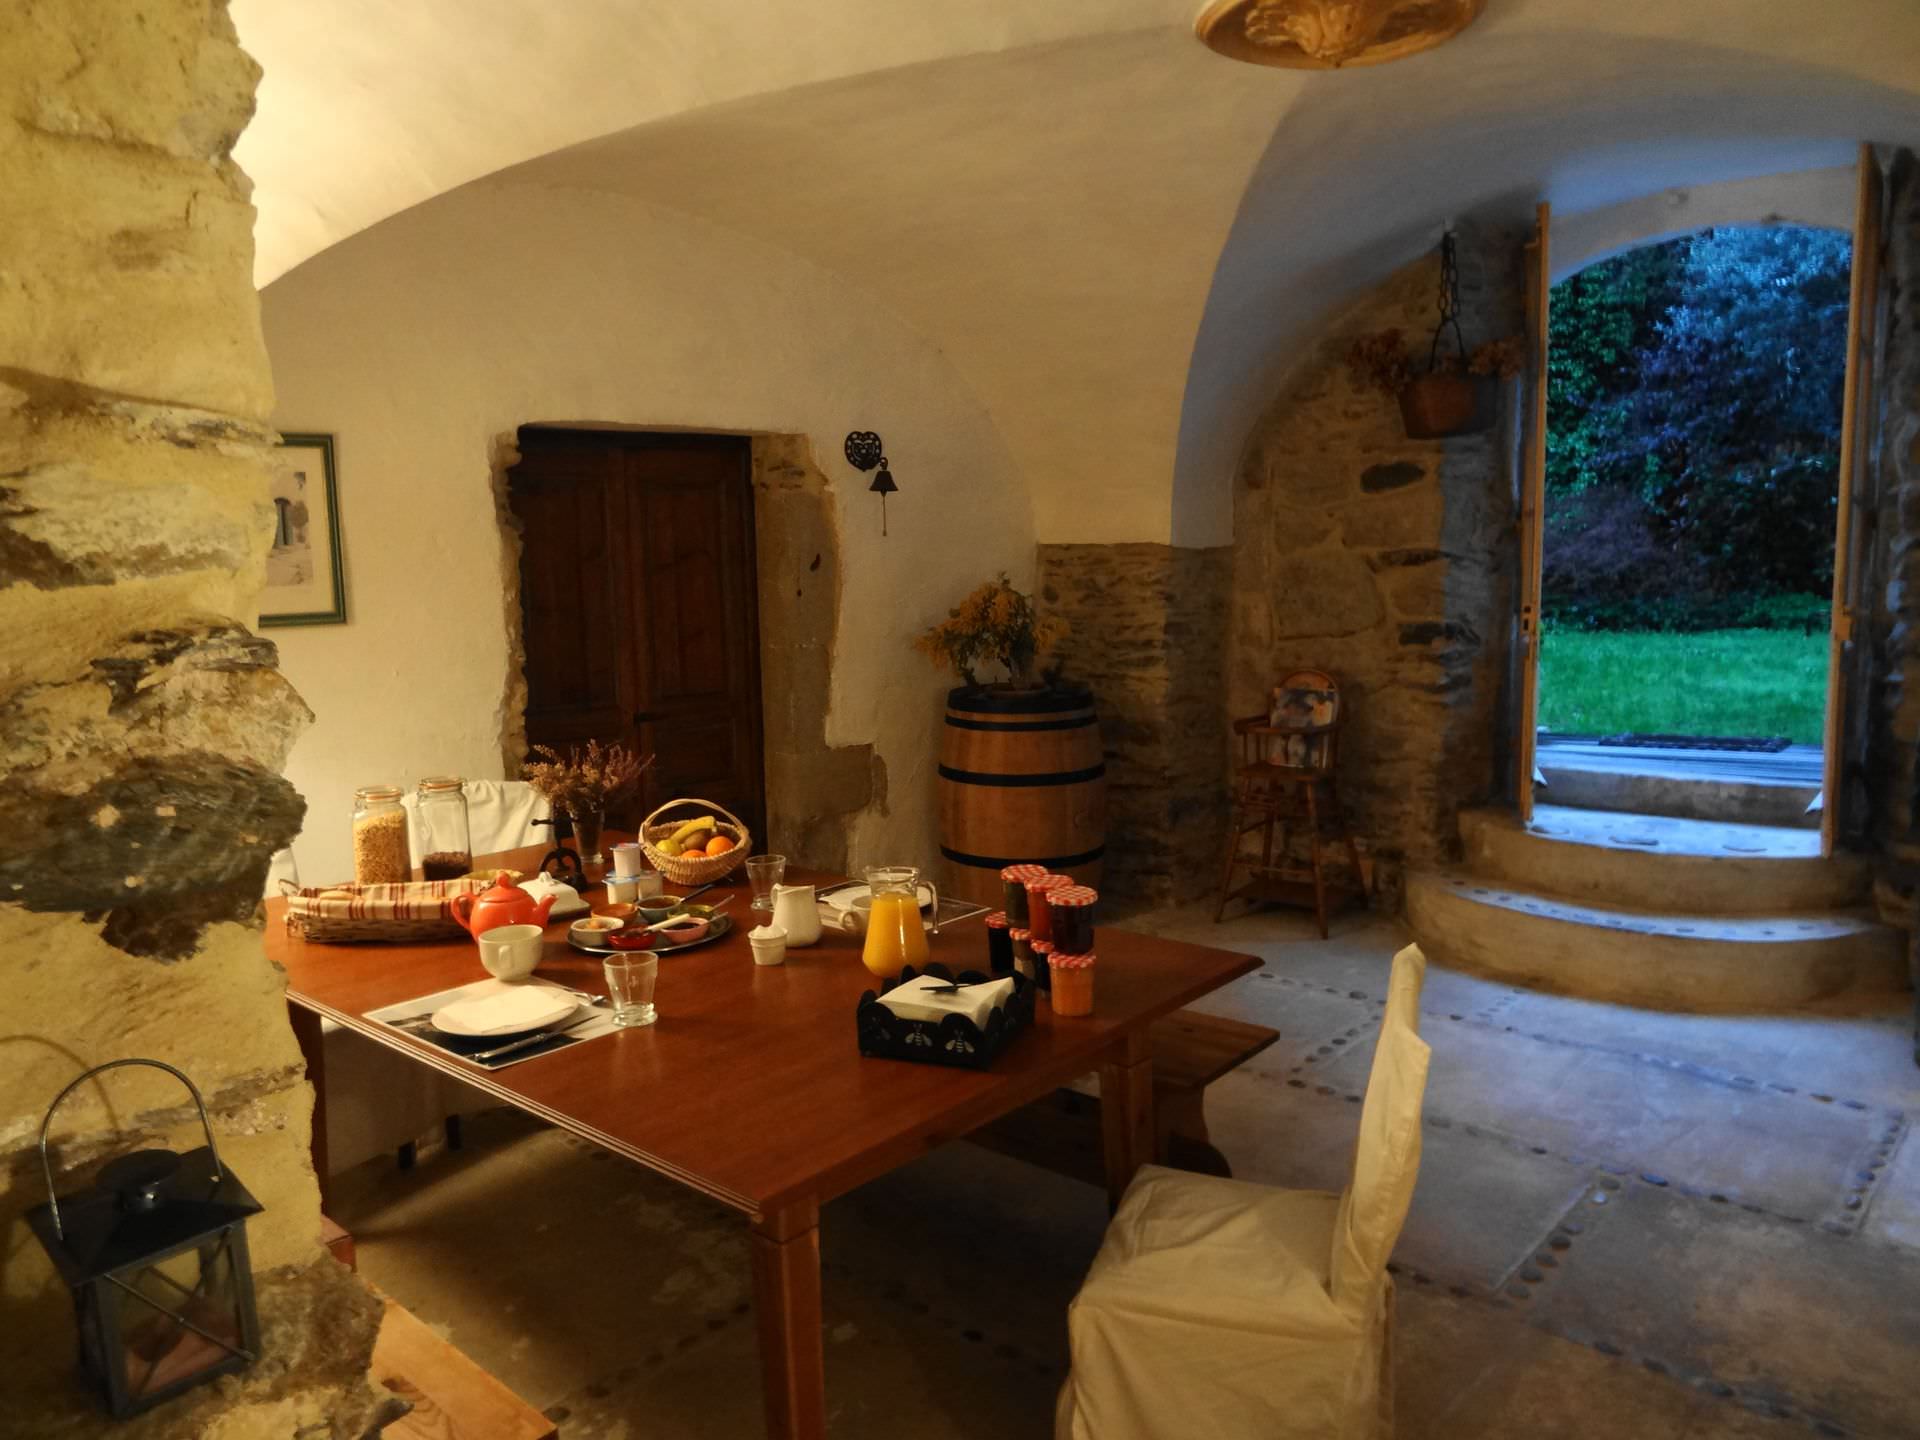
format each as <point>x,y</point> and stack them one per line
<point>895,938</point>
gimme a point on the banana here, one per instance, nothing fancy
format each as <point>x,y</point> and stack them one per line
<point>705,822</point>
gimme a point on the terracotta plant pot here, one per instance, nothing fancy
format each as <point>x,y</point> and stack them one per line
<point>1434,406</point>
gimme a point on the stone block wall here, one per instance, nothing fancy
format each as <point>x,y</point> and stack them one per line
<point>1388,562</point>
<point>1148,635</point>
<point>142,726</point>
<point>1893,587</point>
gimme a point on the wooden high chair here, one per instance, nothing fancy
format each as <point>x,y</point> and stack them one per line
<point>1285,780</point>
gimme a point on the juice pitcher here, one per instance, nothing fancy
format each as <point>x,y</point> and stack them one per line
<point>895,936</point>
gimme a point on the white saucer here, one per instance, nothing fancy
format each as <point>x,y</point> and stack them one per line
<point>506,1011</point>
<point>860,897</point>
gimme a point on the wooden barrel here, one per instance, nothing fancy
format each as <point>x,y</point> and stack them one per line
<point>1022,780</point>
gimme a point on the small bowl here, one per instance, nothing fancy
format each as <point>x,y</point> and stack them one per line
<point>621,910</point>
<point>594,927</point>
<point>684,934</point>
<point>630,940</point>
<point>654,914</point>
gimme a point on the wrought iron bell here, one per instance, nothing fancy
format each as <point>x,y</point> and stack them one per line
<point>155,1256</point>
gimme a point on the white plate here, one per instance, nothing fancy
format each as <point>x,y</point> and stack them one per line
<point>506,1011</point>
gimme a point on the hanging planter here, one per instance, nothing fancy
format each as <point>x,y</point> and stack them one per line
<point>1457,394</point>
<point>1442,403</point>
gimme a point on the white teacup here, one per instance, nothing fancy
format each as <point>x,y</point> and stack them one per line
<point>510,952</point>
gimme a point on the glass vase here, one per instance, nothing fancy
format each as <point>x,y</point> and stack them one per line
<point>587,826</point>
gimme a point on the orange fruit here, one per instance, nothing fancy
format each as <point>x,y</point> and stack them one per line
<point>719,844</point>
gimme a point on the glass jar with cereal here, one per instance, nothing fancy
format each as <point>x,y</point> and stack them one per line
<point>379,836</point>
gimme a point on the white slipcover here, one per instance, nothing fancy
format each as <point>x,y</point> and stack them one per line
<point>1223,1310</point>
<point>377,1100</point>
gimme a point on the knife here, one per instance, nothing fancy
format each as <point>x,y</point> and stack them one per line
<point>528,1041</point>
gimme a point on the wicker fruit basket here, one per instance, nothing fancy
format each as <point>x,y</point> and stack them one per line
<point>695,869</point>
<point>415,910</point>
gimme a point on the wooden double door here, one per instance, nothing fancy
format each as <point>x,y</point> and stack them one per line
<point>639,608</point>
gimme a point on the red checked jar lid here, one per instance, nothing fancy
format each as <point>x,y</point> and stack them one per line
<point>1045,881</point>
<point>1042,949</point>
<point>997,920</point>
<point>1021,874</point>
<point>1073,896</point>
<point>1018,934</point>
<point>1071,962</point>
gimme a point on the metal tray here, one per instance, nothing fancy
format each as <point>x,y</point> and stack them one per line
<point>721,928</point>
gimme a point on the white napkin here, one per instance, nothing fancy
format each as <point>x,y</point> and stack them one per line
<point>920,999</point>
<point>566,899</point>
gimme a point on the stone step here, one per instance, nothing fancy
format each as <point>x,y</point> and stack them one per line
<point>1656,862</point>
<point>1638,783</point>
<point>1668,960</point>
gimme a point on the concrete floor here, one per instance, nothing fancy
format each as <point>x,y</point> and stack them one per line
<point>1628,1224</point>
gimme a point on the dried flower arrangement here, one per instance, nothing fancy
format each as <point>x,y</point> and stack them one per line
<point>995,623</point>
<point>1380,361</point>
<point>584,781</point>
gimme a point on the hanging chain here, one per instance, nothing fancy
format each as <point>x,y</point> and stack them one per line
<point>1449,302</point>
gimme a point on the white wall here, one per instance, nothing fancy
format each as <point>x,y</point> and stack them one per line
<point>421,341</point>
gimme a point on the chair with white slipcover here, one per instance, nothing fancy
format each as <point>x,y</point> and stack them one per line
<point>1236,1311</point>
<point>378,1102</point>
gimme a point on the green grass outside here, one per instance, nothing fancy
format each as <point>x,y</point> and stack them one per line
<point>1715,682</point>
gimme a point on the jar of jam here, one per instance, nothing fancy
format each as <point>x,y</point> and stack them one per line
<point>1071,910</point>
<point>1072,984</point>
<point>1042,973</point>
<point>1021,939</point>
<point>1015,878</point>
<point>1039,918</point>
<point>999,944</point>
<point>441,838</point>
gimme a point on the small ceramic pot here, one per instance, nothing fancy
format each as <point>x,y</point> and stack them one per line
<point>594,927</point>
<point>769,945</point>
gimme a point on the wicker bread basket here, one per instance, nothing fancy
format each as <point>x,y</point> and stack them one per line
<point>416,910</point>
<point>695,869</point>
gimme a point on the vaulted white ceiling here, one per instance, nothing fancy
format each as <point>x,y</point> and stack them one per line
<point>1118,238</point>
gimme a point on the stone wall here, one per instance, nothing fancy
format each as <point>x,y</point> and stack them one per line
<point>1389,563</point>
<point>1893,589</point>
<point>142,727</point>
<point>1149,626</point>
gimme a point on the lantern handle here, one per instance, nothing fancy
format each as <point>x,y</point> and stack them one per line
<point>46,1165</point>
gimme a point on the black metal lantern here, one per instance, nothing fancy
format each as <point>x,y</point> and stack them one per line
<point>156,1257</point>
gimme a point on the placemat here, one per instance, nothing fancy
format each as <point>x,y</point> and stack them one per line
<point>591,1019</point>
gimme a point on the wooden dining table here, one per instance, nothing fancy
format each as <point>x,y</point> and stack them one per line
<point>750,1086</point>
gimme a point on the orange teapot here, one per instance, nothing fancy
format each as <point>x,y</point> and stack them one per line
<point>504,904</point>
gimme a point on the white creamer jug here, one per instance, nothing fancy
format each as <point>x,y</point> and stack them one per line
<point>797,911</point>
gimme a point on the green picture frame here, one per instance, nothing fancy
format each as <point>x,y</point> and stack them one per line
<point>306,579</point>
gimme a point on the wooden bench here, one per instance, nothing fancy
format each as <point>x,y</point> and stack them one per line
<point>452,1398</point>
<point>1191,1050</point>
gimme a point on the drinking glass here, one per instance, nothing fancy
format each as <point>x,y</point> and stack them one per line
<point>763,873</point>
<point>630,980</point>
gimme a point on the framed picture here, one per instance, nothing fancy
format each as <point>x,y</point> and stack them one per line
<point>306,584</point>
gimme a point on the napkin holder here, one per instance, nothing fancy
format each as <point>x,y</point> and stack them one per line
<point>953,1040</point>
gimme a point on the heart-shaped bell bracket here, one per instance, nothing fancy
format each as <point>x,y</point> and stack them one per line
<point>864,453</point>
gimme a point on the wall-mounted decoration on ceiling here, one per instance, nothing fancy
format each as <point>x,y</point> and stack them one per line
<point>864,452</point>
<point>306,582</point>
<point>1330,34</point>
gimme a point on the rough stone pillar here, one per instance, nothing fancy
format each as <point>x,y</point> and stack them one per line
<point>1894,585</point>
<point>1149,626</point>
<point>1388,562</point>
<point>142,727</point>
